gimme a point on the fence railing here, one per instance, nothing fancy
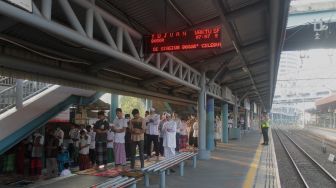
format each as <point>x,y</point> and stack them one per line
<point>7,81</point>
<point>8,96</point>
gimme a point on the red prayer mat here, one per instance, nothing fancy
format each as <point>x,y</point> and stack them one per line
<point>109,173</point>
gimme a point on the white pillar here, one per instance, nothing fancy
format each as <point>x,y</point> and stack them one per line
<point>203,153</point>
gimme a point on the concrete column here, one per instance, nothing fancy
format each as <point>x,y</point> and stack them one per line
<point>114,105</point>
<point>19,94</point>
<point>225,132</point>
<point>210,130</point>
<point>203,153</point>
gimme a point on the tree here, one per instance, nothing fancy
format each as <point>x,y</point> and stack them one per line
<point>129,103</point>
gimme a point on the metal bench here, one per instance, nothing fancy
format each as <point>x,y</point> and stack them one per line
<point>163,166</point>
<point>117,182</point>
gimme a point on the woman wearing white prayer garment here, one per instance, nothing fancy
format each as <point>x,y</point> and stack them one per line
<point>169,139</point>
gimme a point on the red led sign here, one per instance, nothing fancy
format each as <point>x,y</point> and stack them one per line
<point>183,40</point>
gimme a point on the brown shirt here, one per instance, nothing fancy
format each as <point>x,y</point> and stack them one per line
<point>138,127</point>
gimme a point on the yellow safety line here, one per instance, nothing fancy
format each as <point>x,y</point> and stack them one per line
<point>248,183</point>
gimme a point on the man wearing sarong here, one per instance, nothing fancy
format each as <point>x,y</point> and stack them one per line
<point>36,159</point>
<point>119,128</point>
<point>169,139</point>
<point>101,128</point>
<point>183,133</point>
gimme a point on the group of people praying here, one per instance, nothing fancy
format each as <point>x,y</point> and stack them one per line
<point>154,133</point>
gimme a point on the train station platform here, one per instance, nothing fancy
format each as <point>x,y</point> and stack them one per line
<point>328,133</point>
<point>241,163</point>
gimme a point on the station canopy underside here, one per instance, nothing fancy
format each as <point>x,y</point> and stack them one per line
<point>98,46</point>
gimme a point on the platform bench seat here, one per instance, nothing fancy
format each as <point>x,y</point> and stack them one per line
<point>163,166</point>
<point>117,182</point>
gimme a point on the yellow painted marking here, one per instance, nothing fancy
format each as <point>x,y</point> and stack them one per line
<point>249,180</point>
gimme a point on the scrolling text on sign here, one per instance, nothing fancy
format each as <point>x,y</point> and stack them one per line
<point>204,38</point>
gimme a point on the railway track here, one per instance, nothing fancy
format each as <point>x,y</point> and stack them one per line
<point>311,173</point>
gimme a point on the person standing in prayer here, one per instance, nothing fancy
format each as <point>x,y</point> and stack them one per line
<point>137,126</point>
<point>84,149</point>
<point>178,127</point>
<point>195,133</point>
<point>92,146</point>
<point>120,125</point>
<point>36,162</point>
<point>74,143</point>
<point>59,134</point>
<point>110,142</point>
<point>153,127</point>
<point>218,130</point>
<point>162,121</point>
<point>183,133</point>
<point>128,140</point>
<point>101,127</point>
<point>51,151</point>
<point>146,133</point>
<point>190,123</point>
<point>169,139</point>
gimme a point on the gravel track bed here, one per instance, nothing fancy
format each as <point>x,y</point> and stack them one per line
<point>311,173</point>
<point>287,172</point>
<point>313,147</point>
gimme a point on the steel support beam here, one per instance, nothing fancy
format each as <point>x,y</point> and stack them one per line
<point>73,35</point>
<point>178,71</point>
<point>179,12</point>
<point>151,81</point>
<point>13,63</point>
<point>221,11</point>
<point>219,71</point>
<point>253,8</point>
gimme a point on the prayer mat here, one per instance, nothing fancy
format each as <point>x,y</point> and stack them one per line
<point>89,171</point>
<point>134,174</point>
<point>111,173</point>
<point>188,150</point>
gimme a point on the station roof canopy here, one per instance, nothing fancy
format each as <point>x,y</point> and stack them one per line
<point>247,63</point>
<point>326,101</point>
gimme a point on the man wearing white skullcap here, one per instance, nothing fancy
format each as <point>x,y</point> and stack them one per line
<point>169,139</point>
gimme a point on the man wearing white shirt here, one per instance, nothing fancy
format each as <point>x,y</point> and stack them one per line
<point>84,149</point>
<point>153,131</point>
<point>92,146</point>
<point>169,138</point>
<point>119,129</point>
<point>178,127</point>
<point>195,133</point>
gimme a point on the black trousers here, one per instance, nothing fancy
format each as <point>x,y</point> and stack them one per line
<point>146,143</point>
<point>140,145</point>
<point>161,149</point>
<point>177,142</point>
<point>155,140</point>
<point>128,150</point>
<point>265,134</point>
